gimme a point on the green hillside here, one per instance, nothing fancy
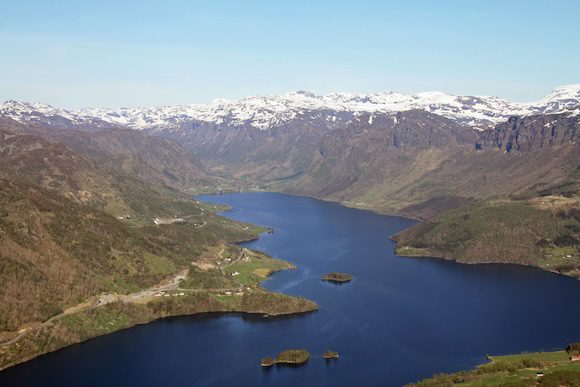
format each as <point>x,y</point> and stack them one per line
<point>526,369</point>
<point>522,232</point>
<point>102,237</point>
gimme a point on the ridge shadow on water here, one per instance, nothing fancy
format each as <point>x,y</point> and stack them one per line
<point>397,321</point>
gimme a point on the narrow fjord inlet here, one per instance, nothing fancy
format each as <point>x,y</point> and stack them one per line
<point>398,320</point>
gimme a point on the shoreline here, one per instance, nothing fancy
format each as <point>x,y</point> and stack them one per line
<point>451,260</point>
<point>490,359</point>
<point>391,237</point>
<point>262,315</point>
<point>525,367</point>
<point>213,313</point>
<point>295,307</point>
<point>219,312</point>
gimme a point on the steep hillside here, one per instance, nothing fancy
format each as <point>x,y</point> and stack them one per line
<point>379,149</point>
<point>56,252</point>
<point>273,141</point>
<point>69,271</point>
<point>532,133</point>
<point>411,162</point>
<point>56,167</point>
<point>154,160</point>
<point>419,164</point>
<point>262,155</point>
<point>544,232</point>
<point>121,171</point>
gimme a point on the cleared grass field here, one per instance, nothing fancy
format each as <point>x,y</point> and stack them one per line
<point>515,370</point>
<point>253,268</point>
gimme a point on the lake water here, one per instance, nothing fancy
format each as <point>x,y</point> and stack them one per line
<point>399,320</point>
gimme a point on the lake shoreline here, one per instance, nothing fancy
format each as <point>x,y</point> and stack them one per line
<point>304,306</point>
<point>419,220</point>
<point>317,238</point>
<point>258,315</point>
<point>430,255</point>
<point>525,367</point>
<point>392,237</point>
<point>215,313</point>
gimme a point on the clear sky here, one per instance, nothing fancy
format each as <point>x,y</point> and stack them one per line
<point>135,53</point>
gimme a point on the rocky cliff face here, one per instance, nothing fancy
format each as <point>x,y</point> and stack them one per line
<point>419,163</point>
<point>524,134</point>
<point>277,153</point>
<point>380,149</point>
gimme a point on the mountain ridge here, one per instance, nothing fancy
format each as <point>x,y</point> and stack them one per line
<point>265,112</point>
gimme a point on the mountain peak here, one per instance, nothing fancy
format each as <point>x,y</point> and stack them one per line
<point>564,92</point>
<point>15,103</point>
<point>301,94</point>
<point>266,112</point>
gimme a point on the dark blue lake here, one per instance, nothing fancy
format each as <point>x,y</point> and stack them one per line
<point>398,321</point>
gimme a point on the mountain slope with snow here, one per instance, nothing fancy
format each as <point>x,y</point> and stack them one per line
<point>266,112</point>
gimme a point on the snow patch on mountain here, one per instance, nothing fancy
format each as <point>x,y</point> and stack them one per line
<point>265,112</point>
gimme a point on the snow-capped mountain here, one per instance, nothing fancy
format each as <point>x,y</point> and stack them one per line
<point>265,112</point>
<point>39,113</point>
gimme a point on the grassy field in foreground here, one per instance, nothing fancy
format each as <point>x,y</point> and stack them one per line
<point>515,370</point>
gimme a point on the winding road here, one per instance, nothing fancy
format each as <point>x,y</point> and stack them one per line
<point>104,299</point>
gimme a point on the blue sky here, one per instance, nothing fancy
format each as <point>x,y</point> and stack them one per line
<point>136,53</point>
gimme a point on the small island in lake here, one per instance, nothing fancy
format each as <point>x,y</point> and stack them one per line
<point>293,357</point>
<point>337,277</point>
<point>329,355</point>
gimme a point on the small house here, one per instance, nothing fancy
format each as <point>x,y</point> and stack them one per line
<point>574,351</point>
